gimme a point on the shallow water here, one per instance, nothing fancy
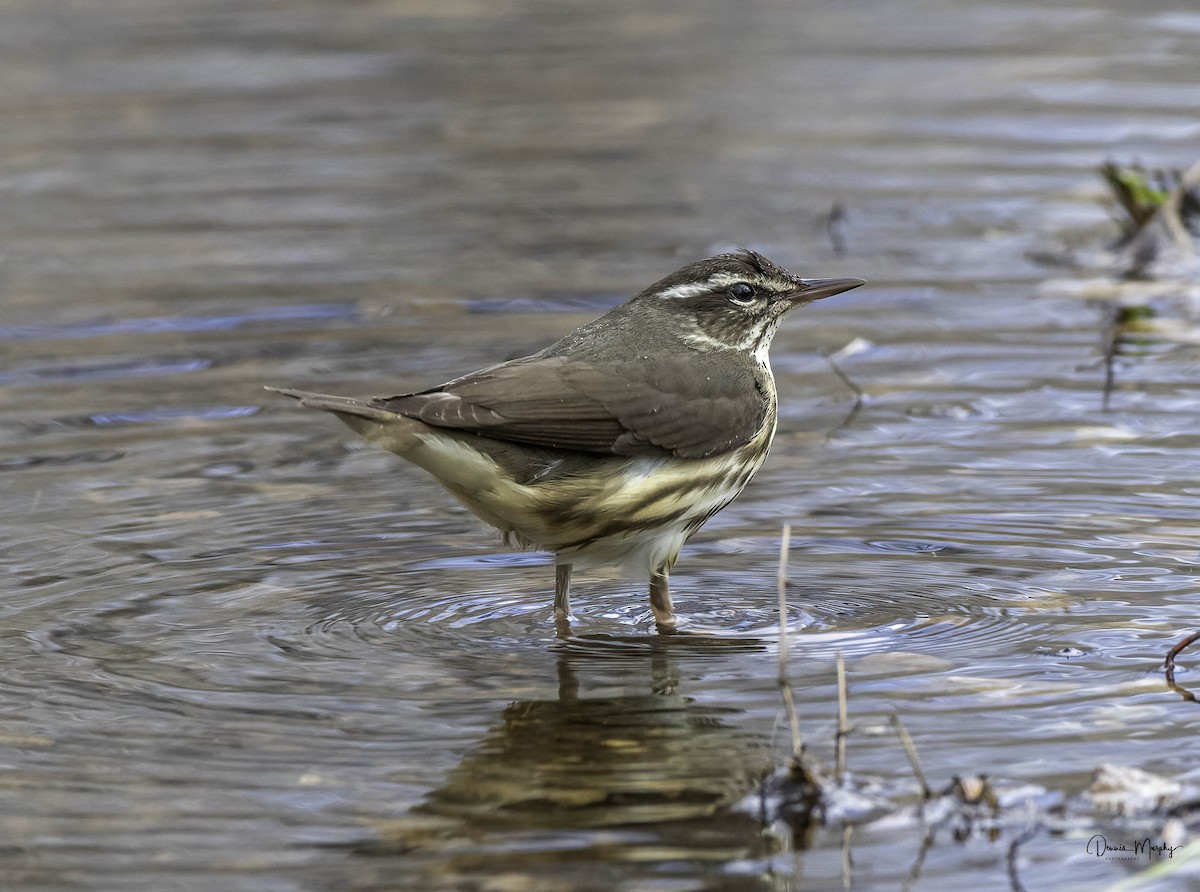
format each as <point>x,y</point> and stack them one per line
<point>242,650</point>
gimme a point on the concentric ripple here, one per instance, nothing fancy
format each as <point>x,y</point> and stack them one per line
<point>449,614</point>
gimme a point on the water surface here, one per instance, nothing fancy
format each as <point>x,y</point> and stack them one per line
<point>242,650</point>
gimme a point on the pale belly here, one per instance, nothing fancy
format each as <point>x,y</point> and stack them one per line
<point>636,512</point>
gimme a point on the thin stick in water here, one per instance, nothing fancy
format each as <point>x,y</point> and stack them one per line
<point>1014,881</point>
<point>843,725</point>
<point>859,396</point>
<point>785,688</point>
<point>847,861</point>
<point>910,750</point>
<point>1112,343</point>
<point>1169,665</point>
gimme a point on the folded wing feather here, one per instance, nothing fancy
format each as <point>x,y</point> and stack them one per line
<point>619,408</point>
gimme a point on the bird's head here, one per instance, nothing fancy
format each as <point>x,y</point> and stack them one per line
<point>733,301</point>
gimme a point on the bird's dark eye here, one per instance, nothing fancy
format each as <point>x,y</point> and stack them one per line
<point>741,293</point>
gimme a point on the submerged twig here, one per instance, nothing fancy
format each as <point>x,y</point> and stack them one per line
<point>910,750</point>
<point>1120,320</point>
<point>1014,881</point>
<point>1169,665</point>
<point>833,227</point>
<point>843,725</point>
<point>855,346</point>
<point>1111,339</point>
<point>914,872</point>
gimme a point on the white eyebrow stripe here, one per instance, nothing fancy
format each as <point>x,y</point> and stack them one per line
<point>724,280</point>
<point>715,282</point>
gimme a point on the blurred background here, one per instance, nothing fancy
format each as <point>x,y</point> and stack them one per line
<point>243,651</point>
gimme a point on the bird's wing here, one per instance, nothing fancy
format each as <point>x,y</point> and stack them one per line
<point>652,406</point>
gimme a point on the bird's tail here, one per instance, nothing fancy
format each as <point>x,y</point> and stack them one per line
<point>468,471</point>
<point>357,415</point>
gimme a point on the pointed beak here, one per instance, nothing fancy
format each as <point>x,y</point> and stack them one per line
<point>809,290</point>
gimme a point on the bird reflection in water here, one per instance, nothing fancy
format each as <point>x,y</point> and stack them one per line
<point>605,760</point>
<point>579,780</point>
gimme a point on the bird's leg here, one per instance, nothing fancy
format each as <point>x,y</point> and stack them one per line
<point>660,598</point>
<point>562,590</point>
<point>562,600</point>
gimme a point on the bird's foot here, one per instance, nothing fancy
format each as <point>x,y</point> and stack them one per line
<point>562,624</point>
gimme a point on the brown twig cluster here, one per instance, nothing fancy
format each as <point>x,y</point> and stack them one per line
<point>805,794</point>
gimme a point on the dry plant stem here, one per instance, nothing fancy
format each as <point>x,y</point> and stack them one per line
<point>785,688</point>
<point>847,862</point>
<point>843,726</point>
<point>911,751</point>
